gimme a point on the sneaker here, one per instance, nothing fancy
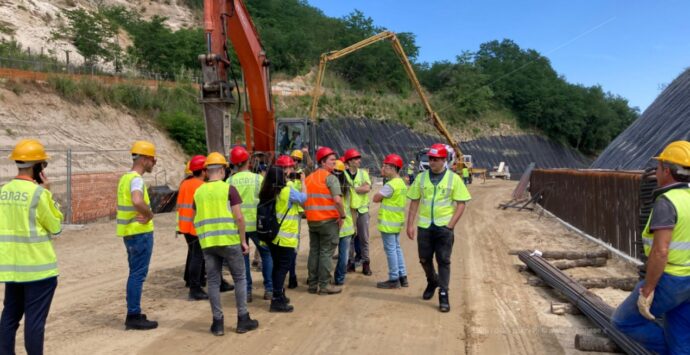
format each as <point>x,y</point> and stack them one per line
<point>330,290</point>
<point>226,286</point>
<point>403,281</point>
<point>313,290</point>
<point>268,295</point>
<point>139,322</point>
<point>388,284</point>
<point>443,304</point>
<point>218,327</point>
<point>245,324</point>
<point>281,305</point>
<point>429,290</point>
<point>197,294</point>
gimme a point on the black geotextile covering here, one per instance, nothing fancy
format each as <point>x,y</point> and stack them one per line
<point>666,120</point>
<point>375,139</point>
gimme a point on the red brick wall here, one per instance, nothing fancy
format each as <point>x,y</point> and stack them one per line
<point>94,196</point>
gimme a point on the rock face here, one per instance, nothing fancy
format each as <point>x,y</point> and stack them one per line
<point>375,139</point>
<point>666,120</point>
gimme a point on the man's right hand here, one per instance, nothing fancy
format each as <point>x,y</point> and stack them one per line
<point>143,219</point>
<point>411,232</point>
<point>340,223</point>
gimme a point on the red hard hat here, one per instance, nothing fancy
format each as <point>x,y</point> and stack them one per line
<point>438,150</point>
<point>323,152</point>
<point>197,162</point>
<point>394,159</point>
<point>238,155</point>
<point>342,159</point>
<point>284,161</point>
<point>351,154</point>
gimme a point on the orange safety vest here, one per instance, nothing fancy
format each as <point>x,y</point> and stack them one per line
<point>185,204</point>
<point>319,205</point>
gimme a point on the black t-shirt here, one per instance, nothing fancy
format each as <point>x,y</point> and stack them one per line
<point>436,178</point>
<point>664,215</point>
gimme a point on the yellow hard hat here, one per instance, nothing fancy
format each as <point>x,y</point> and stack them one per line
<point>29,150</point>
<point>216,158</point>
<point>677,152</point>
<point>339,165</point>
<point>144,148</point>
<point>297,154</point>
<point>186,169</point>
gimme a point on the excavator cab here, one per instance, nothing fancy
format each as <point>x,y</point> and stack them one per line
<point>294,133</point>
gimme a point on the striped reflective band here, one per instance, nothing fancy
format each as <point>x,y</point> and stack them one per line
<point>392,209</point>
<point>186,219</point>
<point>32,211</point>
<point>287,218</point>
<point>320,196</point>
<point>126,221</point>
<point>391,224</point>
<point>183,205</point>
<point>25,240</point>
<point>672,245</point>
<point>320,208</point>
<point>213,221</point>
<point>230,232</point>
<point>287,235</point>
<point>126,208</point>
<point>27,268</point>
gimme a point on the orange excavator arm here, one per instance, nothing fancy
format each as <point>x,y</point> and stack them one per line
<point>229,20</point>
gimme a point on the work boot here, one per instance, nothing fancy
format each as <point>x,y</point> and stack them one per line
<point>313,290</point>
<point>249,297</point>
<point>389,284</point>
<point>330,290</point>
<point>366,269</point>
<point>293,282</point>
<point>218,327</point>
<point>281,304</point>
<point>197,294</point>
<point>443,304</point>
<point>429,290</point>
<point>226,286</point>
<point>268,295</point>
<point>403,281</point>
<point>245,324</point>
<point>351,267</point>
<point>139,322</point>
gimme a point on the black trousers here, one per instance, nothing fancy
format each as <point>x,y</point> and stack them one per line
<point>282,258</point>
<point>435,242</point>
<point>194,269</point>
<point>32,301</point>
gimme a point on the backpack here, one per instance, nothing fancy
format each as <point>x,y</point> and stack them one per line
<point>267,225</point>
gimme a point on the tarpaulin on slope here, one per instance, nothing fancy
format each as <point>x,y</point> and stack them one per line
<point>375,139</point>
<point>666,120</point>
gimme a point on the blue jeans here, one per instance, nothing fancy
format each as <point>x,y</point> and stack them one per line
<point>139,250</point>
<point>32,301</point>
<point>341,267</point>
<point>266,264</point>
<point>670,335</point>
<point>396,260</point>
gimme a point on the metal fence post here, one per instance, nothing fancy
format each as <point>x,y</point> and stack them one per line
<point>69,186</point>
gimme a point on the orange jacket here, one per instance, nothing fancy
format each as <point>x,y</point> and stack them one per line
<point>319,205</point>
<point>185,201</point>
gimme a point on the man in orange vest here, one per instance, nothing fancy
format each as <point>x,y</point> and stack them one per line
<point>194,270</point>
<point>325,214</point>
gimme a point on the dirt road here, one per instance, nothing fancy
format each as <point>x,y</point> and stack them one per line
<point>493,311</point>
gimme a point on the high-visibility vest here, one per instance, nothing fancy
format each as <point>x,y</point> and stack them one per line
<point>297,185</point>
<point>465,172</point>
<point>348,227</point>
<point>248,185</point>
<point>359,202</point>
<point>185,205</point>
<point>126,213</point>
<point>214,222</point>
<point>678,263</point>
<point>288,234</point>
<point>436,205</point>
<point>320,205</point>
<point>28,215</point>
<point>392,210</point>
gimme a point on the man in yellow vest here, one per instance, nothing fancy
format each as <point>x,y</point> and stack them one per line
<point>29,220</point>
<point>135,227</point>
<point>248,185</point>
<point>665,291</point>
<point>360,185</point>
<point>391,219</point>
<point>439,195</point>
<point>221,229</point>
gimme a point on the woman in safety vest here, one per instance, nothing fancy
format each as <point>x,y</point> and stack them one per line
<point>347,230</point>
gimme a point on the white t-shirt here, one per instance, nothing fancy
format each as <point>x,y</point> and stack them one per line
<point>386,191</point>
<point>137,184</point>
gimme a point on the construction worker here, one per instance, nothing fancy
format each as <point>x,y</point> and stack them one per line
<point>347,230</point>
<point>465,174</point>
<point>360,185</point>
<point>29,220</point>
<point>220,224</point>
<point>300,172</point>
<point>410,172</point>
<point>303,162</point>
<point>194,267</point>
<point>439,196</point>
<point>657,312</point>
<point>279,190</point>
<point>135,227</point>
<point>391,220</point>
<point>325,215</point>
<point>248,185</point>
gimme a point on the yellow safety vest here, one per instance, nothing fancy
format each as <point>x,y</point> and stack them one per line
<point>214,222</point>
<point>392,210</point>
<point>348,227</point>
<point>288,234</point>
<point>28,215</point>
<point>248,185</point>
<point>465,172</point>
<point>436,205</point>
<point>126,213</point>
<point>359,202</point>
<point>678,263</point>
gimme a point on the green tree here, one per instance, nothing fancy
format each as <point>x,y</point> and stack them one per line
<point>94,36</point>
